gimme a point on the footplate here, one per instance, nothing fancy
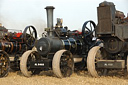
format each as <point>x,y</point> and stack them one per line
<point>111,64</point>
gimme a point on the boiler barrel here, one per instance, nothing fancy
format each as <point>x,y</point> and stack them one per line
<point>52,45</point>
<point>74,46</point>
<point>10,47</point>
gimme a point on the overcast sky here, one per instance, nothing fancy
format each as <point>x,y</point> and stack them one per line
<point>17,14</point>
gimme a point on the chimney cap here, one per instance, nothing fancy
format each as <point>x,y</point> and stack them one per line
<point>49,7</point>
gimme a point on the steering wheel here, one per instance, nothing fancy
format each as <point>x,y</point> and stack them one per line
<point>87,32</point>
<point>30,36</point>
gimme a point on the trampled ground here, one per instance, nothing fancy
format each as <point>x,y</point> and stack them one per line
<point>48,78</point>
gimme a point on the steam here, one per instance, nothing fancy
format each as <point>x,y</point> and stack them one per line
<point>19,14</point>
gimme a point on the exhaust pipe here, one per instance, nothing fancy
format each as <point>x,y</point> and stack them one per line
<point>49,10</point>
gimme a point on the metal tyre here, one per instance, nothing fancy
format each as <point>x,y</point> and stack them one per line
<point>28,56</point>
<point>63,64</point>
<point>93,56</point>
<point>4,64</point>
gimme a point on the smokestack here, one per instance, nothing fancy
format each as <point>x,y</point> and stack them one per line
<point>49,10</point>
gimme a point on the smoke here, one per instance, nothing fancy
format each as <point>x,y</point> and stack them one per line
<point>19,14</point>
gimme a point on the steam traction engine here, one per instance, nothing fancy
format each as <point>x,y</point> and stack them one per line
<point>59,49</point>
<point>12,44</point>
<point>112,53</point>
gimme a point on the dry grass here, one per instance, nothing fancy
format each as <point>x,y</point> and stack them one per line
<point>48,78</point>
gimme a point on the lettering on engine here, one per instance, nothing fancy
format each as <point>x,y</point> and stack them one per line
<point>39,64</point>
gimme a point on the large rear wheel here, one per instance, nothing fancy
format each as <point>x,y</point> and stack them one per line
<point>63,63</point>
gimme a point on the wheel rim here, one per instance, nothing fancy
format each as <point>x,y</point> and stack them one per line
<point>93,56</point>
<point>63,64</point>
<point>4,64</point>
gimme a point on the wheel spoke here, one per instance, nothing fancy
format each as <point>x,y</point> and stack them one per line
<point>30,30</point>
<point>33,34</point>
<point>91,26</point>
<point>66,70</point>
<point>88,29</point>
<point>66,65</point>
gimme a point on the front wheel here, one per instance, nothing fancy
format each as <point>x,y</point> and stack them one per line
<point>63,63</point>
<point>26,58</point>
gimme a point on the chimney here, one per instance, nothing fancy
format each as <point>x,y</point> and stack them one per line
<point>49,10</point>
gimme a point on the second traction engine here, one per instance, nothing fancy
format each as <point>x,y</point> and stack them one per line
<point>59,49</point>
<point>112,30</point>
<point>12,44</point>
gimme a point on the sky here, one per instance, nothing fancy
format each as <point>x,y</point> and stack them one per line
<point>17,14</point>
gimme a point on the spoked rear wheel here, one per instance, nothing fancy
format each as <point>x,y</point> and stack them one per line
<point>63,64</point>
<point>4,64</point>
<point>26,58</point>
<point>94,55</point>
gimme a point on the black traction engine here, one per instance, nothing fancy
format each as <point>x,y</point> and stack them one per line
<point>59,49</point>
